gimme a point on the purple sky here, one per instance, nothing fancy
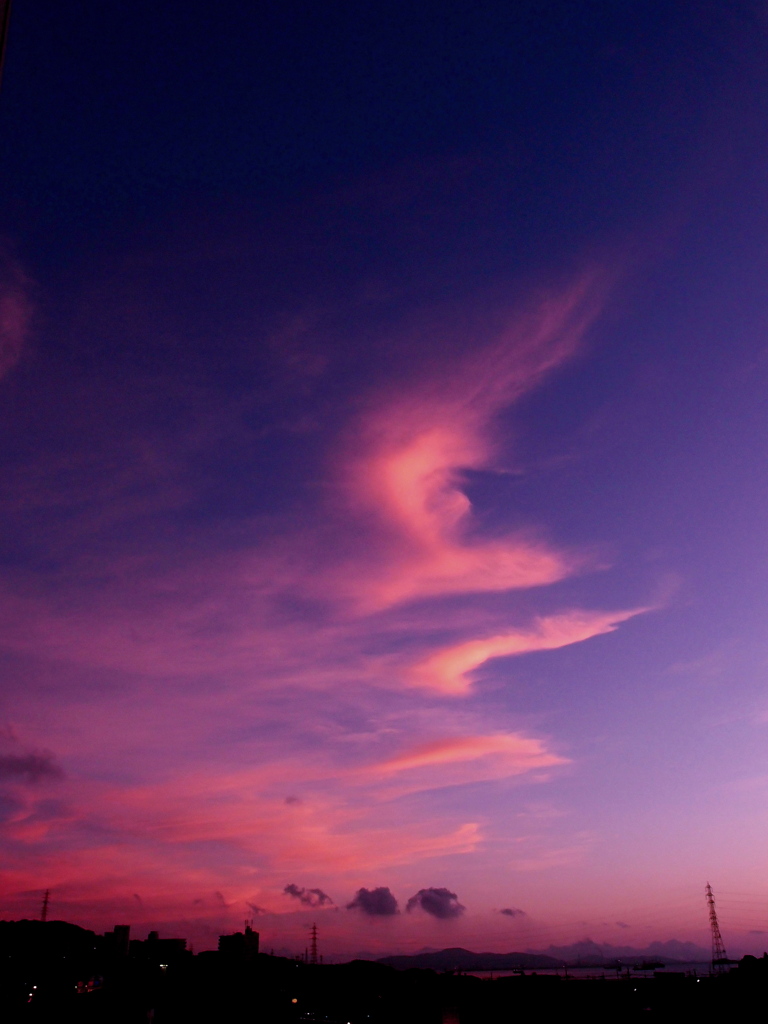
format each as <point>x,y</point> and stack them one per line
<point>384,480</point>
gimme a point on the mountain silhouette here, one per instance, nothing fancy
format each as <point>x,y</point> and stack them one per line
<point>466,960</point>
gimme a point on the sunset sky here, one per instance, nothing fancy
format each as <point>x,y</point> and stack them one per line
<point>384,447</point>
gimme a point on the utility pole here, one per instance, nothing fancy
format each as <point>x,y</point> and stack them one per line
<point>46,897</point>
<point>719,958</point>
<point>5,17</point>
<point>313,945</point>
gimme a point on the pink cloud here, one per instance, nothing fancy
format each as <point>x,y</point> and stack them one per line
<point>192,652</point>
<point>415,445</point>
<point>123,835</point>
<point>162,615</point>
<point>128,837</point>
<point>448,671</point>
<point>516,753</point>
<point>463,760</point>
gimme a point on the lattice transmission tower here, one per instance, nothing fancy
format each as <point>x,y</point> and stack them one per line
<point>313,945</point>
<point>719,957</point>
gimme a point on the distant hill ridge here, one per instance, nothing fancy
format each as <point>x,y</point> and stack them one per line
<point>672,951</point>
<point>586,953</point>
<point>466,960</point>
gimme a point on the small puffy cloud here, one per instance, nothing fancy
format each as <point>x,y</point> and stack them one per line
<point>309,897</point>
<point>255,908</point>
<point>29,767</point>
<point>513,912</point>
<point>622,924</point>
<point>292,800</point>
<point>756,931</point>
<point>439,903</point>
<point>378,902</point>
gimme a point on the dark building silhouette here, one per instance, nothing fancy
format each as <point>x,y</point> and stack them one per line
<point>54,971</point>
<point>117,942</point>
<point>240,945</point>
<point>158,952</point>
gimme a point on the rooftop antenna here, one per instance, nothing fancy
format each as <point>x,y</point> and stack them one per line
<point>46,898</point>
<point>719,957</point>
<point>313,945</point>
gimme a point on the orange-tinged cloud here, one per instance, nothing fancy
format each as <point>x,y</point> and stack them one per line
<point>209,654</point>
<point>465,760</point>
<point>418,485</point>
<point>415,446</point>
<point>515,753</point>
<point>449,670</point>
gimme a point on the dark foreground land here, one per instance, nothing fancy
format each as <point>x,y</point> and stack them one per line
<point>69,977</point>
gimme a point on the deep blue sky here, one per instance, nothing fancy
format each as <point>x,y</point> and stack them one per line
<point>115,115</point>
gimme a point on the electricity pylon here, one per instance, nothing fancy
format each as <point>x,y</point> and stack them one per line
<point>719,958</point>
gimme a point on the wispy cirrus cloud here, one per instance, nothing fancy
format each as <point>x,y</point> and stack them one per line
<point>245,656</point>
<point>395,486</point>
<point>449,671</point>
<point>513,753</point>
<point>412,448</point>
